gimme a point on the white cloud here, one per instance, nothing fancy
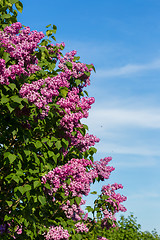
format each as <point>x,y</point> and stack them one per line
<point>144,195</point>
<point>128,69</point>
<point>136,164</point>
<point>141,150</point>
<point>115,117</point>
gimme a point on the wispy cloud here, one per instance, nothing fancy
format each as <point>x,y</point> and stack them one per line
<point>136,163</point>
<point>115,117</point>
<point>144,195</point>
<point>128,69</point>
<point>120,130</point>
<point>141,150</point>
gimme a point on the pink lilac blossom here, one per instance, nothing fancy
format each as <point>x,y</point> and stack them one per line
<point>42,91</point>
<point>20,44</point>
<point>102,238</point>
<point>57,233</point>
<point>115,201</point>
<point>85,217</point>
<point>77,70</point>
<point>81,177</point>
<point>76,108</point>
<point>103,170</point>
<point>73,211</point>
<point>79,182</point>
<point>81,227</point>
<point>5,228</point>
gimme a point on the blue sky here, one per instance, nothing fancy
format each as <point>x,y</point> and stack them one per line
<point>122,39</point>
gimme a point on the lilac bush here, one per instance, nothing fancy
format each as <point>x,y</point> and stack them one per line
<point>46,152</point>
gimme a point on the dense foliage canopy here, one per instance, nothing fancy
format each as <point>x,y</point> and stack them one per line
<point>129,229</point>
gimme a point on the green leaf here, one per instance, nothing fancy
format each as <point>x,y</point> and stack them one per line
<point>50,32</point>
<point>85,126</point>
<point>27,187</point>
<point>9,203</point>
<point>4,99</point>
<point>53,37</point>
<point>92,150</point>
<point>6,154</point>
<point>68,181</point>
<point>13,1</point>
<point>77,237</point>
<point>12,86</point>
<point>104,197</point>
<point>36,184</point>
<point>27,152</point>
<point>99,214</point>
<point>20,173</point>
<point>4,16</point>
<point>69,64</point>
<point>6,56</point>
<point>11,158</point>
<point>19,6</point>
<point>51,154</point>
<point>66,143</point>
<point>21,189</point>
<point>64,91</point>
<point>7,218</point>
<point>76,58</point>
<point>44,139</point>
<point>47,186</point>
<point>78,200</point>
<point>15,178</point>
<point>86,93</point>
<point>38,144</point>
<point>94,192</point>
<point>77,81</point>
<point>54,29</point>
<point>16,98</point>
<point>89,209</point>
<point>87,73</point>
<point>50,143</point>
<point>10,108</point>
<point>58,145</point>
<point>48,25</point>
<point>42,200</point>
<point>71,201</point>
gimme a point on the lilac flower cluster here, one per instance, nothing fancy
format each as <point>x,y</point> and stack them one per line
<point>5,228</point>
<point>20,44</point>
<point>101,238</point>
<point>103,171</point>
<point>81,227</point>
<point>114,198</point>
<point>76,109</point>
<point>77,170</point>
<point>115,201</point>
<point>80,179</point>
<point>73,211</point>
<point>57,233</point>
<point>78,69</point>
<point>42,91</point>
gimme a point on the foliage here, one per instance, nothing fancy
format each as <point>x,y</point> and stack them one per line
<point>46,153</point>
<point>129,229</point>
